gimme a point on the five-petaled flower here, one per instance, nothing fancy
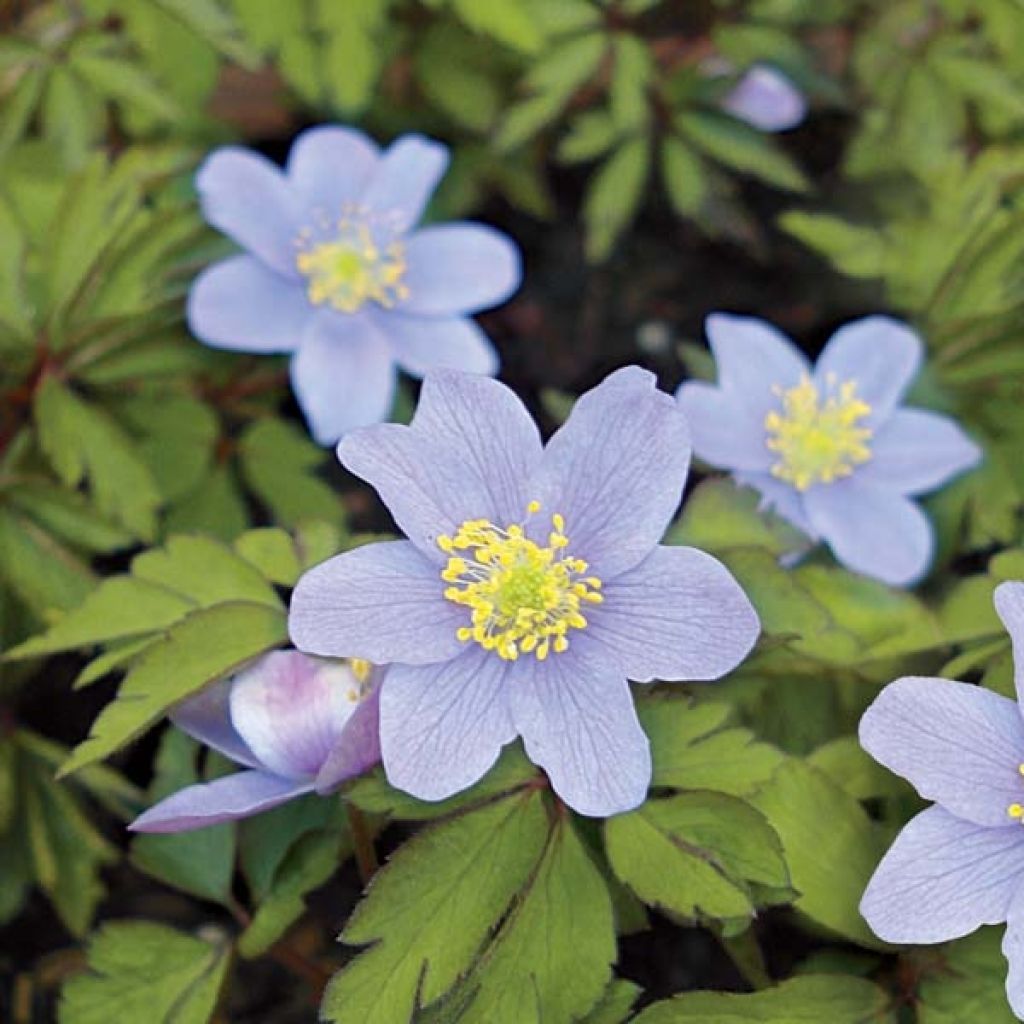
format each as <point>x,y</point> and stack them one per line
<point>959,864</point>
<point>829,448</point>
<point>532,586</point>
<point>766,99</point>
<point>296,724</point>
<point>336,274</point>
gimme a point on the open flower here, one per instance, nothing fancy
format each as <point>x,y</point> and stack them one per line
<point>959,864</point>
<point>767,100</point>
<point>531,587</point>
<point>829,447</point>
<point>296,724</point>
<point>335,273</point>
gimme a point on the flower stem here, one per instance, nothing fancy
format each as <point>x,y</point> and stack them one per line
<point>362,843</point>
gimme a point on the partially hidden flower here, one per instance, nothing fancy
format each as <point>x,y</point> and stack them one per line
<point>829,447</point>
<point>295,724</point>
<point>532,586</point>
<point>336,273</point>
<point>767,100</point>
<point>959,864</point>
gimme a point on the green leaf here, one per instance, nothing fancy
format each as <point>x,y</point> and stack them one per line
<point>853,249</point>
<point>272,552</point>
<point>139,971</point>
<point>352,57</point>
<point>741,147</point>
<point>693,747</point>
<point>68,516</point>
<point>684,176</point>
<point>82,441</point>
<point>508,22</point>
<point>429,910</point>
<point>696,855</point>
<point>616,1004</point>
<point>632,71</point>
<point>126,83</point>
<point>200,862</point>
<point>838,999</point>
<point>831,846</point>
<point>551,959</point>
<point>613,196</point>
<point>848,765</point>
<point>206,645</point>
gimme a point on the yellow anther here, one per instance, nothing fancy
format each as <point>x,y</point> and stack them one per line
<point>818,436</point>
<point>1015,811</point>
<point>351,269</point>
<point>361,669</point>
<point>522,598</point>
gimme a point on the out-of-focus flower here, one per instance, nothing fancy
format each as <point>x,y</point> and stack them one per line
<point>532,586</point>
<point>829,447</point>
<point>296,724</point>
<point>767,100</point>
<point>959,864</point>
<point>336,273</point>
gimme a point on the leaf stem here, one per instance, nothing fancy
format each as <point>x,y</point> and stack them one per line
<point>745,953</point>
<point>362,843</point>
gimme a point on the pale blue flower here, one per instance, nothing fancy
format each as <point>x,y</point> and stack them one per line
<point>296,724</point>
<point>767,100</point>
<point>532,586</point>
<point>960,864</point>
<point>829,447</point>
<point>336,272</point>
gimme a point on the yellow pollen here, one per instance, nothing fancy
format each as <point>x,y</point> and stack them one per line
<point>352,268</point>
<point>361,669</point>
<point>522,598</point>
<point>818,437</point>
<point>1015,811</point>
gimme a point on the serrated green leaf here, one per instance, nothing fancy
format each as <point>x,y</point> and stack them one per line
<point>272,552</point>
<point>139,970</point>
<point>432,906</point>
<point>696,854</point>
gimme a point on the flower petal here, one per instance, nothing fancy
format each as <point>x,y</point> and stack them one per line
<point>330,165</point>
<point>382,602</point>
<point>1009,602</point>
<point>226,799</point>
<point>405,179</point>
<point>781,498</point>
<point>872,530</point>
<point>206,716</point>
<point>1013,950</point>
<point>459,268</point>
<point>615,470</point>
<point>881,354</point>
<point>443,726</point>
<point>343,375</point>
<point>767,100</point>
<point>724,431</point>
<point>754,360</point>
<point>679,614</point>
<point>943,878</point>
<point>576,716</point>
<point>421,344</point>
<point>468,455</point>
<point>240,304</point>
<point>291,709</point>
<point>957,744</point>
<point>358,748</point>
<point>247,197</point>
<point>916,451</point>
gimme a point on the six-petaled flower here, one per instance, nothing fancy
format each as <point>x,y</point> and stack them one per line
<point>532,586</point>
<point>829,447</point>
<point>959,864</point>
<point>296,724</point>
<point>336,273</point>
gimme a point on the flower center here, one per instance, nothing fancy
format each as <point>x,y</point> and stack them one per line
<point>523,598</point>
<point>352,267</point>
<point>816,435</point>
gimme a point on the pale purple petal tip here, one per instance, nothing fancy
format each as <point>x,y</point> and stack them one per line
<point>766,100</point>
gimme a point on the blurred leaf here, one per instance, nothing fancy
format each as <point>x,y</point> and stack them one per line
<point>508,22</point>
<point>613,196</point>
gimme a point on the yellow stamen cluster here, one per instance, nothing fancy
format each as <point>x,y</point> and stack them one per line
<point>1016,811</point>
<point>523,598</point>
<point>817,437</point>
<point>352,269</point>
<point>361,670</point>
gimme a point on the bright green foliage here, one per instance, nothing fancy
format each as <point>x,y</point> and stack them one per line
<point>809,1000</point>
<point>143,971</point>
